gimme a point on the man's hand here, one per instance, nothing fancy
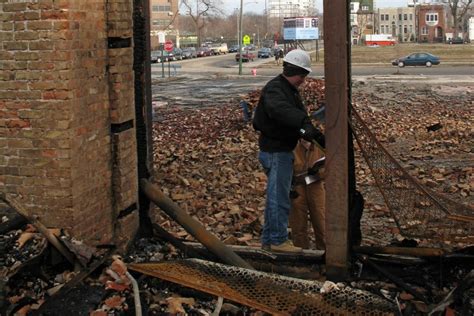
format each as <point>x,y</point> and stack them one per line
<point>310,133</point>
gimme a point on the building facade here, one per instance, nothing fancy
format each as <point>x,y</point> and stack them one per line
<point>284,8</point>
<point>361,19</point>
<point>164,17</point>
<point>398,22</point>
<point>432,23</point>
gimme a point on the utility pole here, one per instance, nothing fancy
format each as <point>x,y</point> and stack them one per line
<point>240,36</point>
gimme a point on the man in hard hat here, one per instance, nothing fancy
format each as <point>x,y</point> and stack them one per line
<point>281,119</point>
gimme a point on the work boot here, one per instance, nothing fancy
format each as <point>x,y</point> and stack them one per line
<point>286,246</point>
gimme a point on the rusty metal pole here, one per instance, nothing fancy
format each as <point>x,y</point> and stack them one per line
<point>192,226</point>
<point>336,60</point>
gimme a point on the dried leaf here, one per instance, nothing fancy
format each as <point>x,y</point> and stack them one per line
<point>114,301</point>
<point>24,237</point>
<point>175,304</point>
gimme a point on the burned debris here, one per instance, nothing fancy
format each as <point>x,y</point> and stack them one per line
<point>209,169</point>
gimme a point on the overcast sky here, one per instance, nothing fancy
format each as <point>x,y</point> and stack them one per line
<point>258,6</point>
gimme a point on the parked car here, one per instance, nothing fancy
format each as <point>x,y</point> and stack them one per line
<point>175,54</point>
<point>265,52</point>
<point>203,51</point>
<point>417,59</point>
<point>218,49</point>
<point>456,40</point>
<point>246,56</point>
<point>249,47</point>
<point>189,52</point>
<point>156,56</point>
<point>234,49</point>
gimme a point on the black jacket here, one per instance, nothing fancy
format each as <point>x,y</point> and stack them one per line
<point>279,116</point>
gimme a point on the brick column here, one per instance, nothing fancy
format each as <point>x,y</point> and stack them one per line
<point>63,90</point>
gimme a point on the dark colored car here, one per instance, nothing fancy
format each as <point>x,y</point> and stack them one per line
<point>203,51</point>
<point>456,40</point>
<point>234,49</point>
<point>175,54</point>
<point>246,56</point>
<point>156,56</point>
<point>265,52</point>
<point>189,52</point>
<point>417,59</point>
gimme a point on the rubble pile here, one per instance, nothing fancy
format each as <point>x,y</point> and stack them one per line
<point>431,134</point>
<point>205,159</point>
<point>219,180</point>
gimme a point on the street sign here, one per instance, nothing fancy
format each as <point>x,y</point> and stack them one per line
<point>246,40</point>
<point>169,46</point>
<point>161,37</point>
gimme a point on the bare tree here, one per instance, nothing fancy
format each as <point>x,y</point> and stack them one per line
<point>458,9</point>
<point>365,23</point>
<point>198,10</point>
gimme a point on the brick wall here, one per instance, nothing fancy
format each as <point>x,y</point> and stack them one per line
<point>67,137</point>
<point>432,31</point>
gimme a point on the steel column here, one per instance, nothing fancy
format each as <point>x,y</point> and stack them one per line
<point>336,61</point>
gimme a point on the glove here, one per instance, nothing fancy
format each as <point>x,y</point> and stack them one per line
<point>318,165</point>
<point>310,133</point>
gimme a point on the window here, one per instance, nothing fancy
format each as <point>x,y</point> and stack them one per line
<point>161,8</point>
<point>411,28</point>
<point>399,30</point>
<point>386,17</point>
<point>161,22</point>
<point>365,8</point>
<point>382,17</point>
<point>411,17</point>
<point>352,7</point>
<point>400,17</point>
<point>405,17</point>
<point>432,17</point>
<point>424,30</point>
<point>405,29</point>
<point>382,29</point>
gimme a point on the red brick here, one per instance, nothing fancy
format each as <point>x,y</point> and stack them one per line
<point>57,95</point>
<point>32,15</point>
<point>26,56</point>
<point>6,26</point>
<point>39,25</point>
<point>41,45</point>
<point>26,36</point>
<point>18,123</point>
<point>15,45</point>
<point>12,7</point>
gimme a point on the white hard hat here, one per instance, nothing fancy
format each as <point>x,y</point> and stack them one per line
<point>299,58</point>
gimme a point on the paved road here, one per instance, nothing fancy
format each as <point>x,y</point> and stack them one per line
<point>226,64</point>
<point>210,81</point>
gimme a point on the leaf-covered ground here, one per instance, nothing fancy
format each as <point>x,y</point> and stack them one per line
<point>206,158</point>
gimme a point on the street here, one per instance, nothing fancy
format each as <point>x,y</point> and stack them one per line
<point>226,64</point>
<point>214,80</point>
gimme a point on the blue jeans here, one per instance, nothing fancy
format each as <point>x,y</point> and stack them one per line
<point>279,170</point>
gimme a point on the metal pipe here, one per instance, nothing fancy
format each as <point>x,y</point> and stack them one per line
<point>136,294</point>
<point>400,251</point>
<point>240,36</point>
<point>192,226</point>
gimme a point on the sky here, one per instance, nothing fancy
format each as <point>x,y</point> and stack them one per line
<point>257,6</point>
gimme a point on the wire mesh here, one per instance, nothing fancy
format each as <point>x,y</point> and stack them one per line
<point>270,293</point>
<point>417,211</point>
